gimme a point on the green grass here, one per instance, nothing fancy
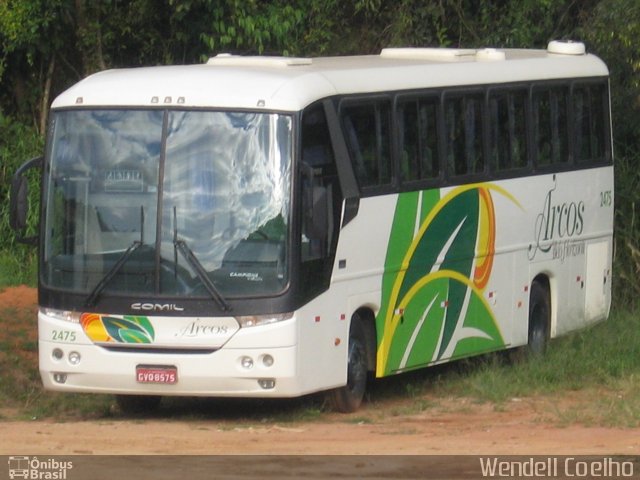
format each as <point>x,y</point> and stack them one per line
<point>18,267</point>
<point>598,368</point>
<point>606,355</point>
<point>602,361</point>
<point>20,387</point>
<point>591,376</point>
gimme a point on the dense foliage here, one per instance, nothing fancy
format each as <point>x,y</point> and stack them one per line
<point>47,45</point>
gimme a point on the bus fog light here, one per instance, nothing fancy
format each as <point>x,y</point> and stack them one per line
<point>267,360</point>
<point>267,383</point>
<point>74,358</point>
<point>246,362</point>
<point>60,377</point>
<point>57,354</point>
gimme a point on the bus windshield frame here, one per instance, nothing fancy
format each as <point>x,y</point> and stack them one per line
<point>168,203</point>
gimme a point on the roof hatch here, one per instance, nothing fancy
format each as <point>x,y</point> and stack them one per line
<point>427,53</point>
<point>257,61</point>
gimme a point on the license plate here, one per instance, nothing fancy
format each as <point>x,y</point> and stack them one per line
<point>167,375</point>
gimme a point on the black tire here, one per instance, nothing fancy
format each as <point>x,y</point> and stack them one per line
<point>138,404</point>
<point>539,320</point>
<point>347,399</point>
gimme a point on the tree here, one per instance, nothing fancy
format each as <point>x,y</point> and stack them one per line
<point>47,45</point>
<point>252,26</point>
<point>612,30</point>
<point>30,33</point>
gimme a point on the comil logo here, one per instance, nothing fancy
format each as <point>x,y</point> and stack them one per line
<point>157,307</point>
<point>38,469</point>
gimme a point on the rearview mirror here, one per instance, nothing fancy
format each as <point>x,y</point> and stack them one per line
<point>19,200</point>
<point>19,203</point>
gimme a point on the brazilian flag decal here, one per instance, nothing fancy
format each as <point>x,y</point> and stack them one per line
<point>438,264</point>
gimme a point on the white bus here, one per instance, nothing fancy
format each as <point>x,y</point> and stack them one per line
<point>273,227</point>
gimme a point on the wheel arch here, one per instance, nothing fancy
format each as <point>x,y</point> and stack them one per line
<point>367,318</point>
<point>547,282</point>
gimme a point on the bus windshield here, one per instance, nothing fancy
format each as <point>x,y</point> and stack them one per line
<point>167,202</point>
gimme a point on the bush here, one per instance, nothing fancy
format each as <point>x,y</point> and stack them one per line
<point>611,31</point>
<point>627,228</point>
<point>18,143</point>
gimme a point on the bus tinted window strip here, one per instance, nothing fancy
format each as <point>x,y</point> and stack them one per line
<point>559,141</point>
<point>411,184</point>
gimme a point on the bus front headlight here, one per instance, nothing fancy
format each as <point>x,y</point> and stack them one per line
<point>64,315</point>
<point>258,320</point>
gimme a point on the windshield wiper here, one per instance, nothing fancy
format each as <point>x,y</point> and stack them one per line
<point>97,290</point>
<point>190,257</point>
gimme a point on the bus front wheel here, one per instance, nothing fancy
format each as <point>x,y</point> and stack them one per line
<point>348,398</point>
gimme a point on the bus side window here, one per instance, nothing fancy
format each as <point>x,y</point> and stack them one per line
<point>367,133</point>
<point>454,125</point>
<point>418,139</point>
<point>550,126</point>
<point>463,123</point>
<point>589,122</point>
<point>319,163</point>
<point>507,129</point>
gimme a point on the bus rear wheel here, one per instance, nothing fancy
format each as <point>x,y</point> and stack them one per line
<point>138,404</point>
<point>539,320</point>
<point>348,398</point>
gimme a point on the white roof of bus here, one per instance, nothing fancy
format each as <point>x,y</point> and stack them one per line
<point>290,84</point>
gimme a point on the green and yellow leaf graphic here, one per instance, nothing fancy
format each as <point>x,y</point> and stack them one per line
<point>128,329</point>
<point>433,304</point>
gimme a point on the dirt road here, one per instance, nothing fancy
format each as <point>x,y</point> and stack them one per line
<point>521,429</point>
